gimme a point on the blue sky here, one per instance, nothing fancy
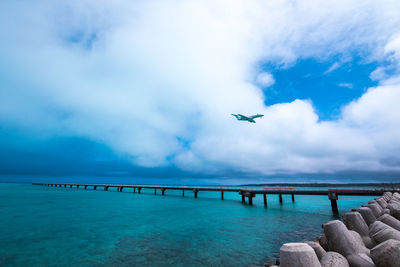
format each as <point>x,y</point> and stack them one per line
<point>144,90</point>
<point>328,84</point>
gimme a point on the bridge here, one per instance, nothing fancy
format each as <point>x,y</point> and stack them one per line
<point>332,194</point>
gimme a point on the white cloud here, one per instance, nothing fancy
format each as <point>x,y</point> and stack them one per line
<point>161,72</point>
<point>333,67</point>
<point>348,85</point>
<point>378,74</point>
<point>265,79</point>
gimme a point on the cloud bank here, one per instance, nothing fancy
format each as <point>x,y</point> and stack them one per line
<point>156,81</point>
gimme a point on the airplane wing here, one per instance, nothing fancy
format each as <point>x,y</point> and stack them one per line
<point>256,116</point>
<point>244,117</point>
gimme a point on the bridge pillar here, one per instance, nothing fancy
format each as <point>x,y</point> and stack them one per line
<point>195,193</point>
<point>183,192</point>
<point>162,191</point>
<point>139,189</point>
<point>250,196</point>
<point>77,186</point>
<point>292,197</point>
<point>265,200</point>
<point>222,195</point>
<point>85,186</point>
<point>333,197</point>
<point>106,188</point>
<point>155,191</point>
<point>65,186</point>
<point>94,187</point>
<point>280,198</point>
<point>250,200</point>
<point>134,190</point>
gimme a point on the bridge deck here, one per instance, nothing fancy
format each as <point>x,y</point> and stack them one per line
<point>244,192</point>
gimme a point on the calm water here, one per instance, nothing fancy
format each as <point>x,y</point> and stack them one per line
<point>45,226</point>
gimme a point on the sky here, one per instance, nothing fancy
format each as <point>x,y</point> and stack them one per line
<point>145,90</point>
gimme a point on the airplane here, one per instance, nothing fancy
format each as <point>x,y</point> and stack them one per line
<point>241,117</point>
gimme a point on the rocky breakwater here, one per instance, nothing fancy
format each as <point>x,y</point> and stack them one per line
<point>366,237</point>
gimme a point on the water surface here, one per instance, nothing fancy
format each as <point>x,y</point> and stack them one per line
<point>47,226</point>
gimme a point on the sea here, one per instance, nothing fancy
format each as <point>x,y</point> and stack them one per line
<point>48,226</point>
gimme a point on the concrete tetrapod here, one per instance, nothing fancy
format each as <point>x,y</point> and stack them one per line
<point>318,249</point>
<point>395,211</point>
<point>386,211</point>
<point>341,240</point>
<point>387,196</point>
<point>386,234</point>
<point>359,240</point>
<point>387,254</point>
<point>360,260</point>
<point>382,202</point>
<point>376,227</point>
<point>334,259</point>
<point>299,255</point>
<point>323,242</point>
<point>367,215</point>
<point>390,220</point>
<point>376,209</point>
<point>354,221</point>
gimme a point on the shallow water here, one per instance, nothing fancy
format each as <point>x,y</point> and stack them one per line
<point>46,226</point>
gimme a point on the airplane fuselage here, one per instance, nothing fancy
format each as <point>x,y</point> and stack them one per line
<point>241,117</point>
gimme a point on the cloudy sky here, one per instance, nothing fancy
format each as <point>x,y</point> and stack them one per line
<point>120,88</point>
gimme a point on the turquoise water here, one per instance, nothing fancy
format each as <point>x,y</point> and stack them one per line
<point>46,226</point>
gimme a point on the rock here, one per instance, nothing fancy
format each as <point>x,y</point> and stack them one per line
<point>376,209</point>
<point>319,251</point>
<point>387,254</point>
<point>354,221</point>
<point>299,255</point>
<point>323,242</point>
<point>386,234</point>
<point>390,220</point>
<point>341,240</point>
<point>334,259</point>
<point>360,260</point>
<point>367,215</point>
